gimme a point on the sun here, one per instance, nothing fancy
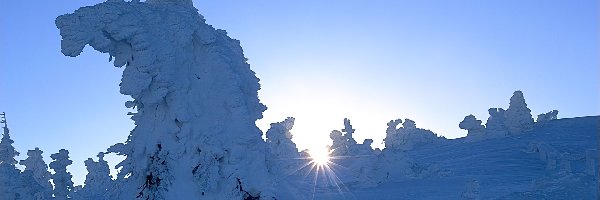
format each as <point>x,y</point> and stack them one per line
<point>320,156</point>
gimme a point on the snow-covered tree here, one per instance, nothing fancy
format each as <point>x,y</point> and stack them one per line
<point>9,174</point>
<point>343,141</point>
<point>61,178</point>
<point>353,162</point>
<point>408,136</point>
<point>348,131</point>
<point>282,152</point>
<point>390,133</point>
<point>279,139</point>
<point>518,116</point>
<point>496,123</point>
<point>552,115</point>
<point>29,188</point>
<point>195,98</point>
<point>476,131</point>
<point>39,170</point>
<point>98,181</point>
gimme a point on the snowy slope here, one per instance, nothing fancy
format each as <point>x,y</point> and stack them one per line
<point>505,168</point>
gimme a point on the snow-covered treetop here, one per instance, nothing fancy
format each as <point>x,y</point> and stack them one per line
<point>280,130</point>
<point>552,115</point>
<point>470,123</point>
<point>348,132</point>
<point>61,160</point>
<point>348,128</point>
<point>409,124</point>
<point>517,100</point>
<point>61,178</point>
<point>518,115</point>
<point>35,162</point>
<point>7,150</point>
<point>407,136</point>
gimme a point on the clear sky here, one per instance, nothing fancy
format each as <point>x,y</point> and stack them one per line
<point>320,61</point>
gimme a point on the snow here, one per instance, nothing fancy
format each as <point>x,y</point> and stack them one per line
<point>61,178</point>
<point>39,171</point>
<point>473,125</point>
<point>518,116</point>
<point>195,99</point>
<point>195,105</point>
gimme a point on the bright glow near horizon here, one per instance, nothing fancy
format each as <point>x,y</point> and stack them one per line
<point>319,156</point>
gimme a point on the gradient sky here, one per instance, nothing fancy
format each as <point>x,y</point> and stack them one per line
<point>320,61</point>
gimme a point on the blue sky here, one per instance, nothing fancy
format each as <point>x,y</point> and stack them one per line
<point>320,61</point>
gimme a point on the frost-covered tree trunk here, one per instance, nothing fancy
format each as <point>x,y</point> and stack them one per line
<point>61,178</point>
<point>518,116</point>
<point>9,174</point>
<point>37,166</point>
<point>195,96</point>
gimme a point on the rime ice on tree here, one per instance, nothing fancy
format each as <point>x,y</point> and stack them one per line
<point>518,116</point>
<point>408,136</point>
<point>496,123</point>
<point>544,117</point>
<point>7,151</point>
<point>98,181</point>
<point>283,153</point>
<point>9,174</point>
<point>476,131</point>
<point>61,178</point>
<point>195,96</point>
<point>39,171</point>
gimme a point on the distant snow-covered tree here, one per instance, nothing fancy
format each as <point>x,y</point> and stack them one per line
<point>552,115</point>
<point>476,131</point>
<point>98,181</point>
<point>338,142</point>
<point>518,115</point>
<point>29,188</point>
<point>282,152</point>
<point>408,136</point>
<point>496,123</point>
<point>348,131</point>
<point>61,178</point>
<point>279,138</point>
<point>343,141</point>
<point>38,168</point>
<point>354,162</point>
<point>390,134</point>
<point>9,174</point>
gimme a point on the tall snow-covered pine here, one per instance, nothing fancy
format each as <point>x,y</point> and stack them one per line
<point>9,174</point>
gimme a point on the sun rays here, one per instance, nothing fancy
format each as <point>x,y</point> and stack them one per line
<point>319,156</point>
